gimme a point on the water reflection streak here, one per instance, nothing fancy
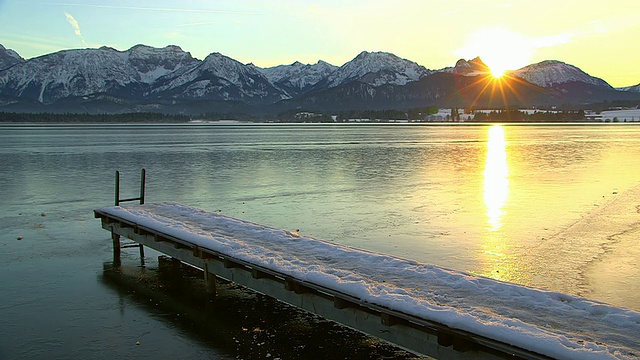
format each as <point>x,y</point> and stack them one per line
<point>496,177</point>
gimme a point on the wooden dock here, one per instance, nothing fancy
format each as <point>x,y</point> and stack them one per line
<point>329,280</point>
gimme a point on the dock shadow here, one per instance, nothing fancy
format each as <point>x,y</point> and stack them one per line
<point>238,321</point>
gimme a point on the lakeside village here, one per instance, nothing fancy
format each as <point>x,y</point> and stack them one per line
<point>612,115</point>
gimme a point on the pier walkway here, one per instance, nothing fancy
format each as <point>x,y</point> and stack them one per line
<point>426,309</point>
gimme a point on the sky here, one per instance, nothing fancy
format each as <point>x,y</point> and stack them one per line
<point>599,37</point>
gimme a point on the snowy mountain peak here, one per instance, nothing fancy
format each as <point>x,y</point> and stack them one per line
<point>471,67</point>
<point>68,73</point>
<point>377,57</point>
<point>297,77</point>
<point>8,58</point>
<point>219,77</point>
<point>153,63</point>
<point>552,72</point>
<point>378,68</point>
<point>141,48</point>
<point>226,67</point>
<point>103,48</point>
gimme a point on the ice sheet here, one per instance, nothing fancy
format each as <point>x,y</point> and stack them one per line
<point>549,323</point>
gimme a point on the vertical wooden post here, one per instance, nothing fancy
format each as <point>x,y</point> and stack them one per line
<point>143,178</point>
<point>117,188</point>
<point>116,237</point>
<point>116,249</point>
<point>210,280</point>
<point>141,254</point>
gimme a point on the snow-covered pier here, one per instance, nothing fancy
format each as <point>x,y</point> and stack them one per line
<point>426,309</point>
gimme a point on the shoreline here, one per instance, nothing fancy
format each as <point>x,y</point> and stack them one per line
<point>284,123</point>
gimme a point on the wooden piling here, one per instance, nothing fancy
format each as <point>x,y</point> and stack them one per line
<point>141,254</point>
<point>116,249</point>
<point>210,282</point>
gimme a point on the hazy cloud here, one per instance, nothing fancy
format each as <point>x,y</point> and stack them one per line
<point>593,27</point>
<point>75,26</point>
<point>164,9</point>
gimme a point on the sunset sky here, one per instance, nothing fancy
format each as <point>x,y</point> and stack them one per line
<point>599,37</point>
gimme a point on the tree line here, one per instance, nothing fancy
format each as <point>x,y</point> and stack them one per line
<point>52,118</point>
<point>521,116</point>
<point>414,114</point>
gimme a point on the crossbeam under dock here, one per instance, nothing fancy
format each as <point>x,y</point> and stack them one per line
<point>214,243</point>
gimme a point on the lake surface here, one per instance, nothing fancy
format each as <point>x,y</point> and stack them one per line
<point>550,206</point>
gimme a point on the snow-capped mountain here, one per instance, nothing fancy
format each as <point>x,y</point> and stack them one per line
<point>169,79</point>
<point>377,68</point>
<point>137,73</point>
<point>549,73</point>
<point>297,78</point>
<point>152,63</point>
<point>71,73</point>
<point>8,58</point>
<point>219,77</point>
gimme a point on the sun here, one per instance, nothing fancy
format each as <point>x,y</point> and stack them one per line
<point>500,49</point>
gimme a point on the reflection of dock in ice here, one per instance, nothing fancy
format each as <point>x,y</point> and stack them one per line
<point>426,309</point>
<point>237,323</point>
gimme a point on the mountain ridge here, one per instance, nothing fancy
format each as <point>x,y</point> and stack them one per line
<point>170,79</point>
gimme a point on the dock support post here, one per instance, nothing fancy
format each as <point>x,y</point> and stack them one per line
<point>143,180</point>
<point>117,188</point>
<point>116,249</point>
<point>210,280</point>
<point>141,254</point>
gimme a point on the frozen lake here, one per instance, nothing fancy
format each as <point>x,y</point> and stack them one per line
<point>550,206</point>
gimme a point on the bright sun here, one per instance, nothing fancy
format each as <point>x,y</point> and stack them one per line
<point>499,48</point>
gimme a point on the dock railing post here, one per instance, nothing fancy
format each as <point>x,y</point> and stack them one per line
<point>116,237</point>
<point>117,188</point>
<point>143,180</point>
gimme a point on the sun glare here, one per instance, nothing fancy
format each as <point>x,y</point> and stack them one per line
<point>500,49</point>
<point>496,177</point>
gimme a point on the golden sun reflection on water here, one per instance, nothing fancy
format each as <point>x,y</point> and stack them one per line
<point>496,177</point>
<point>498,260</point>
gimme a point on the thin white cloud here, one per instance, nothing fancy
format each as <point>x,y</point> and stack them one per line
<point>146,8</point>
<point>75,26</point>
<point>594,27</point>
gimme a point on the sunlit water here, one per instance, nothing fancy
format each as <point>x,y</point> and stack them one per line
<point>554,207</point>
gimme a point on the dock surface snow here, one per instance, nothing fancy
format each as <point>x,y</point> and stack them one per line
<point>549,323</point>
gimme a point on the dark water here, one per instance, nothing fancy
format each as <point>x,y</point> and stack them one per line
<point>554,207</point>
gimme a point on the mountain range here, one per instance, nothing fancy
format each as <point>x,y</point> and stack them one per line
<point>170,80</point>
